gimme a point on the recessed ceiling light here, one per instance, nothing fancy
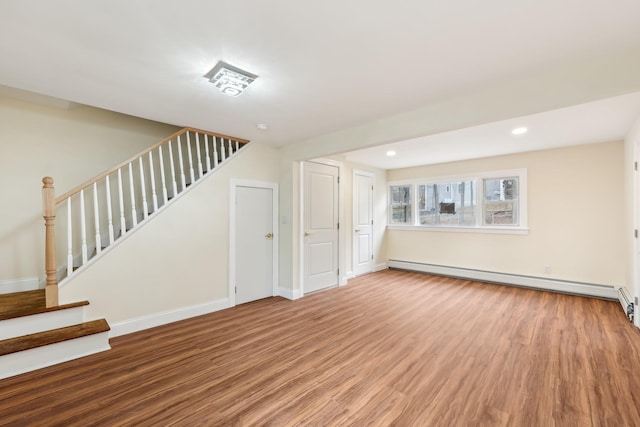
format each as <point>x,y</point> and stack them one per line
<point>230,80</point>
<point>519,131</point>
<point>391,153</point>
<point>262,126</point>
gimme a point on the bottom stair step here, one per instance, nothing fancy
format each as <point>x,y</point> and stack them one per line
<point>29,352</point>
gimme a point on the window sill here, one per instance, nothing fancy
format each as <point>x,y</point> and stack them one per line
<point>480,230</point>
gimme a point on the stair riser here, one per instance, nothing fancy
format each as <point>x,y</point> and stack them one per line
<point>19,285</point>
<point>41,357</point>
<point>35,323</point>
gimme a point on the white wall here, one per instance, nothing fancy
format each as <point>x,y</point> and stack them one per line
<point>576,219</point>
<point>177,260</point>
<point>42,136</point>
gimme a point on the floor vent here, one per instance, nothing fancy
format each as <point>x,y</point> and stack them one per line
<point>627,304</point>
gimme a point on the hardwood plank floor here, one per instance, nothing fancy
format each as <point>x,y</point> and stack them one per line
<point>391,348</point>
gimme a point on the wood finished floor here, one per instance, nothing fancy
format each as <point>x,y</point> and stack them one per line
<point>391,348</point>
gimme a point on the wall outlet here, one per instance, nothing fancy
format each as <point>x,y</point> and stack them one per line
<point>547,269</point>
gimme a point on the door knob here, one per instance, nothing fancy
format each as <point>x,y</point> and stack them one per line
<point>357,230</point>
<point>269,235</point>
<point>306,234</point>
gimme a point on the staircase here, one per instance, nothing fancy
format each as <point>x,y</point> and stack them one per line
<point>33,336</point>
<point>35,330</point>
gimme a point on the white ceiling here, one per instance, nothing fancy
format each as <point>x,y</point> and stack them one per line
<point>323,66</point>
<point>599,121</point>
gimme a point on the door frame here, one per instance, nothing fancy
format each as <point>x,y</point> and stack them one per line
<point>635,271</point>
<point>342,280</point>
<point>232,232</point>
<point>353,221</point>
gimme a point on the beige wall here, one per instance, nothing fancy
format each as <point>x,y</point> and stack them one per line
<point>178,259</point>
<point>289,228</point>
<point>576,219</point>
<point>69,142</point>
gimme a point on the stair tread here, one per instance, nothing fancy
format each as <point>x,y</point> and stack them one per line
<point>27,298</point>
<point>26,303</point>
<point>53,336</point>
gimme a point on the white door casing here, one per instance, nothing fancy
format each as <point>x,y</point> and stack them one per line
<point>363,183</point>
<point>253,241</point>
<point>635,288</point>
<point>320,225</point>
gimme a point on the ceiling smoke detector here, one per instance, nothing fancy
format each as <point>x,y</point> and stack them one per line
<point>230,80</point>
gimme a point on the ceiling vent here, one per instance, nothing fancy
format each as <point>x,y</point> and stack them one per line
<point>230,80</point>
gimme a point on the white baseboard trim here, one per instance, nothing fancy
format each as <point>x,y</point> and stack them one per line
<point>157,319</point>
<point>563,286</point>
<point>380,267</point>
<point>291,294</point>
<point>19,285</point>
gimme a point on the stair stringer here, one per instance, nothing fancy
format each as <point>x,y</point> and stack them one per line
<point>175,265</point>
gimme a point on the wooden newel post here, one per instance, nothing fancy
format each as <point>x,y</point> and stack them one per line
<point>49,214</point>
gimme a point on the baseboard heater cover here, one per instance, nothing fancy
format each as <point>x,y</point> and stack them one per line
<point>626,303</point>
<point>553,285</point>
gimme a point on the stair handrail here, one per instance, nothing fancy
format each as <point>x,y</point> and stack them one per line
<point>97,178</point>
<point>50,201</point>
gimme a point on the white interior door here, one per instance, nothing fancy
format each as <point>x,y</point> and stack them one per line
<point>254,243</point>
<point>320,226</point>
<point>362,223</point>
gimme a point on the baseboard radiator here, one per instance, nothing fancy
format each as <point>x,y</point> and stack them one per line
<point>542,283</point>
<point>626,303</point>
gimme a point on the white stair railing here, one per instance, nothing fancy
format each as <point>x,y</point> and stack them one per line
<point>136,187</point>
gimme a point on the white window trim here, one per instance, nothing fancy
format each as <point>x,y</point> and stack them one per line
<point>522,228</point>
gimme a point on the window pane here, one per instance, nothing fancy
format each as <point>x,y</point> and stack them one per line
<point>401,204</point>
<point>501,201</point>
<point>447,203</point>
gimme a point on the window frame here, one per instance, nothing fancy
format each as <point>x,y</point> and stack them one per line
<point>480,226</point>
<point>412,198</point>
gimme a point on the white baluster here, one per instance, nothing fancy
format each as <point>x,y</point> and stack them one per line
<point>215,152</point>
<point>192,175</point>
<point>230,148</point>
<point>96,216</point>
<point>152,176</point>
<point>69,239</point>
<point>109,211</point>
<point>206,152</point>
<point>134,214</point>
<point>223,156</point>
<point>182,178</point>
<point>237,146</point>
<point>123,221</point>
<point>143,187</point>
<point>199,156</point>
<point>165,196</point>
<point>173,170</point>
<point>83,228</point>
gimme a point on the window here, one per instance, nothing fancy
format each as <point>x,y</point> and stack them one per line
<point>451,203</point>
<point>401,204</point>
<point>495,201</point>
<point>500,205</point>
